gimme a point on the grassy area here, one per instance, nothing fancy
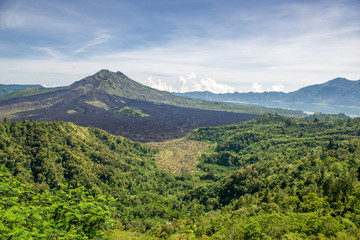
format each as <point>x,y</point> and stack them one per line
<point>179,155</point>
<point>131,112</point>
<point>98,104</point>
<point>119,234</point>
<point>31,92</point>
<point>71,111</point>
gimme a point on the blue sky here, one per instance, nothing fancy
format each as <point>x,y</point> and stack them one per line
<point>181,45</point>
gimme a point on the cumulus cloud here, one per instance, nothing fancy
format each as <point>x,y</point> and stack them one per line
<point>159,84</point>
<point>182,83</point>
<point>209,84</point>
<point>257,87</point>
<point>186,82</point>
<point>190,83</point>
<point>278,87</point>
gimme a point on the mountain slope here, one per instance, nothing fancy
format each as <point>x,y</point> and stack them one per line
<point>98,101</point>
<point>70,178</point>
<point>349,96</point>
<point>48,154</point>
<point>11,88</point>
<point>323,93</point>
<point>119,84</point>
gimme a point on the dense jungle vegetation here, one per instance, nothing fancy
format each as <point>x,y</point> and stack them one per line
<point>269,178</point>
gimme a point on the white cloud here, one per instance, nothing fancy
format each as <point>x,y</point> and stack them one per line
<point>191,76</point>
<point>49,52</point>
<point>278,87</point>
<point>190,83</point>
<point>159,84</point>
<point>102,38</point>
<point>182,83</point>
<point>186,83</point>
<point>209,84</point>
<point>257,87</point>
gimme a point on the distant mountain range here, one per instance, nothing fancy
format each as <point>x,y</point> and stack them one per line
<point>119,105</point>
<point>6,89</point>
<point>338,92</point>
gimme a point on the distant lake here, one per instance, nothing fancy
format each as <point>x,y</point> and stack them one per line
<point>312,107</point>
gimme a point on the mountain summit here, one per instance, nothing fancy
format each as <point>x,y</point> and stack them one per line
<point>328,93</point>
<point>117,83</point>
<point>101,78</point>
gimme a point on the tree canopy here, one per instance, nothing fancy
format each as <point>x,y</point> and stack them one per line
<point>269,178</point>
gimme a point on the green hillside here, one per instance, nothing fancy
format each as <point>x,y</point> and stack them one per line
<point>328,92</point>
<point>32,91</point>
<point>50,153</point>
<point>6,89</point>
<point>54,159</point>
<point>269,178</point>
<point>281,178</point>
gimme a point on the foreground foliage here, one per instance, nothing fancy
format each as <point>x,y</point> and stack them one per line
<point>49,155</point>
<point>269,178</point>
<point>68,213</point>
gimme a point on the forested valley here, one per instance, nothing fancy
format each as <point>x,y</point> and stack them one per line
<point>272,177</point>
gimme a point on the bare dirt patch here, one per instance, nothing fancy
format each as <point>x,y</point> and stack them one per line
<point>98,104</point>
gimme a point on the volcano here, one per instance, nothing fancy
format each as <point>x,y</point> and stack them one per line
<point>117,104</point>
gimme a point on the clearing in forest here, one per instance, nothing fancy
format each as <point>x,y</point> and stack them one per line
<point>179,155</point>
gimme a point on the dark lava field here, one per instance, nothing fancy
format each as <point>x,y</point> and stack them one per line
<point>165,121</point>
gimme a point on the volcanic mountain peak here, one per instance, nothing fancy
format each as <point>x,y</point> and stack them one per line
<point>105,74</point>
<point>100,78</point>
<point>117,83</point>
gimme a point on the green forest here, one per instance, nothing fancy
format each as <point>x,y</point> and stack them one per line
<point>273,177</point>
